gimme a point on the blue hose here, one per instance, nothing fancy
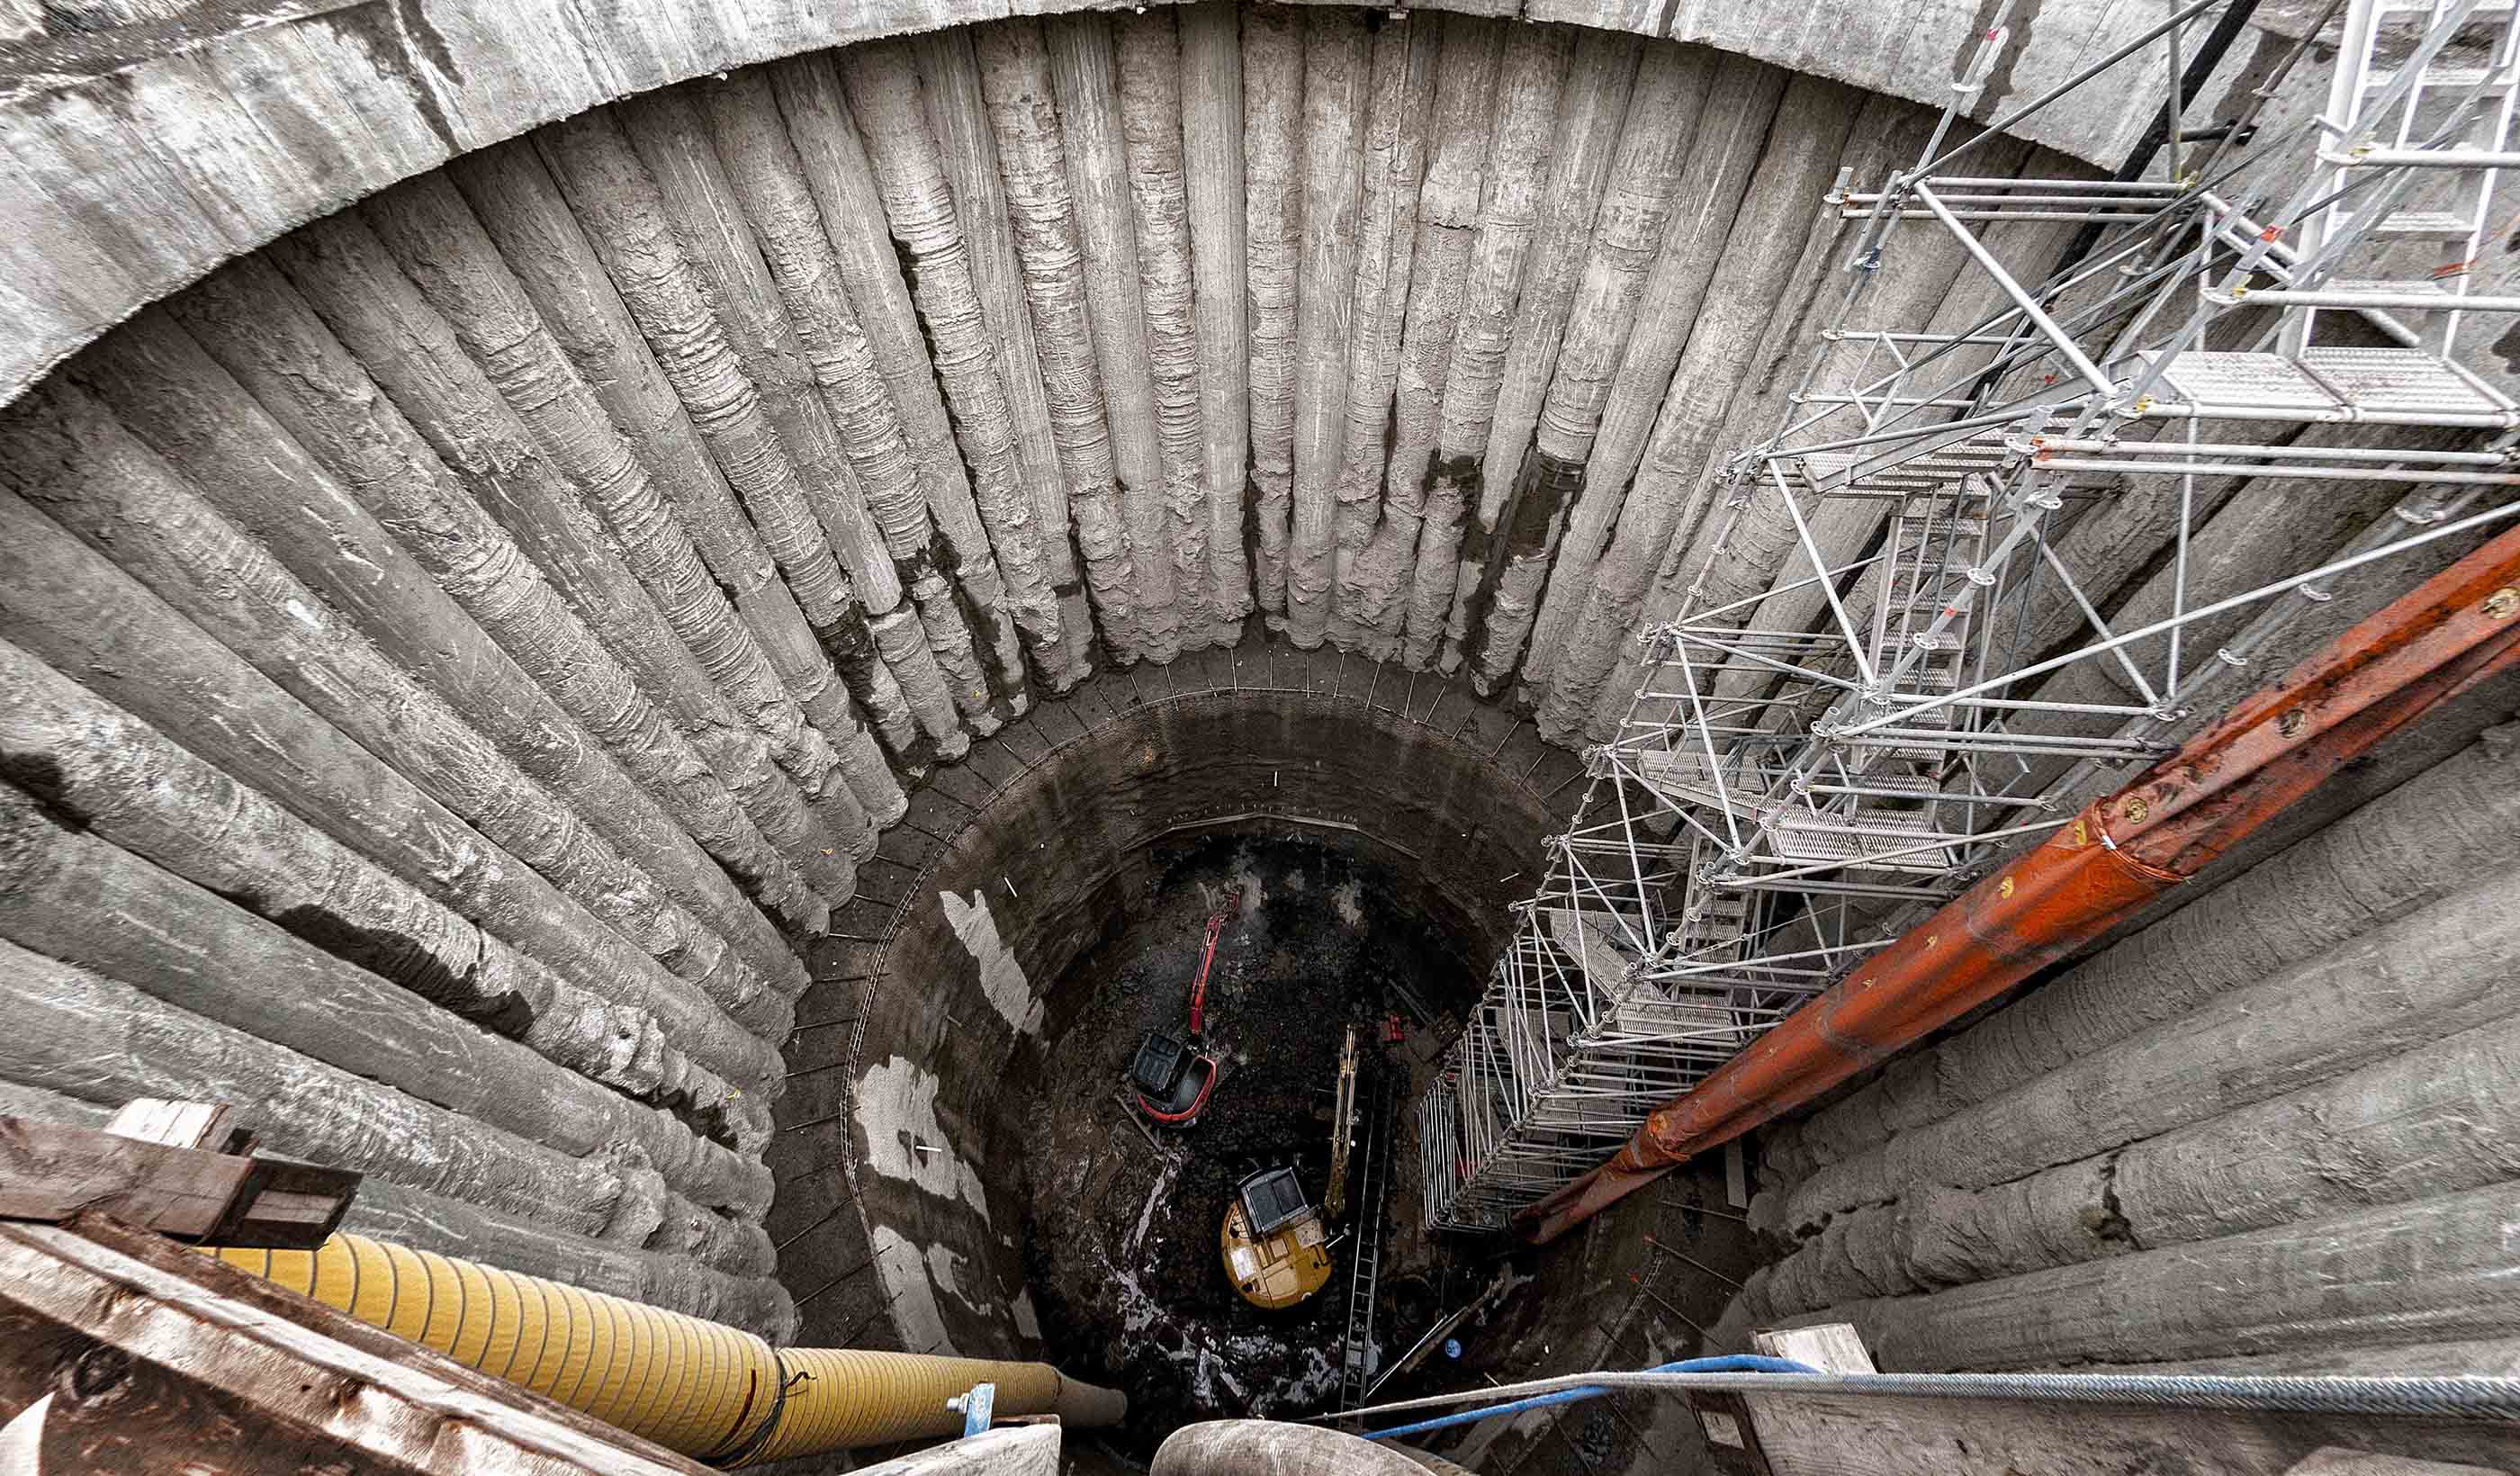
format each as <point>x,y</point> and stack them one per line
<point>1730,1362</point>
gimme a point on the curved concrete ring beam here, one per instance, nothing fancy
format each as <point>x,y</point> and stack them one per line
<point>142,154</point>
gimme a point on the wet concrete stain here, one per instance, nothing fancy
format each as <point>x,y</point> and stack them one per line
<point>1467,478</point>
<point>1251,544</point>
<point>2507,348</point>
<point>982,622</point>
<point>396,36</point>
<point>852,647</point>
<point>1529,524</point>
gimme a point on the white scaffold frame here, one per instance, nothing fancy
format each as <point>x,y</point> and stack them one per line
<point>1789,790</point>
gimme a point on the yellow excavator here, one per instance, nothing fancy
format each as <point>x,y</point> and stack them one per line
<point>1276,1252</point>
<point>1276,1247</point>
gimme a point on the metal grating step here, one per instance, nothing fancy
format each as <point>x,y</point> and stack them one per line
<point>1596,941</point>
<point>2450,79</point>
<point>1682,776</point>
<point>1937,471</point>
<point>2398,382</point>
<point>2384,385</point>
<point>1922,786</point>
<point>1804,472</point>
<point>1713,1025</point>
<point>1866,837</point>
<point>1945,640</point>
<point>2220,383</point>
<point>2416,225</point>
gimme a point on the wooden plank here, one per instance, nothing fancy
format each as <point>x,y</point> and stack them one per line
<point>371,1401</point>
<point>1831,1347</point>
<point>286,1206</point>
<point>52,1170</point>
<point>174,1124</point>
<point>114,1413</point>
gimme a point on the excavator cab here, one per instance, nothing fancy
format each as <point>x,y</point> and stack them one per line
<point>1172,1079</point>
<point>1172,1075</point>
<point>1276,1252</point>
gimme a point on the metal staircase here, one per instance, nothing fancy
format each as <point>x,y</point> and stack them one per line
<point>1797,776</point>
<point>2446,107</point>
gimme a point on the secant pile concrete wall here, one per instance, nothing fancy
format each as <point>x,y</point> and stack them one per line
<point>2271,1130</point>
<point>899,1147</point>
<point>1417,337</point>
<point>151,141</point>
<point>456,653</point>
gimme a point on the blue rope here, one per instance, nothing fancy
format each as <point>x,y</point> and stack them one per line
<point>1730,1362</point>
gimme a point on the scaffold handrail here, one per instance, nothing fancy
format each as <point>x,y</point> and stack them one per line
<point>1801,770</point>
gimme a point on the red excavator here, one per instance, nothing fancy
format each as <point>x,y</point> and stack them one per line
<point>1173,1075</point>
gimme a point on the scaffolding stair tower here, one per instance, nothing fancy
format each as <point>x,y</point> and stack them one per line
<point>1803,774</point>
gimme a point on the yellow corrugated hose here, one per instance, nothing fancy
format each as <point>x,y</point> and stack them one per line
<point>711,1390</point>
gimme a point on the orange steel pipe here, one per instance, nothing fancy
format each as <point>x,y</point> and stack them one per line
<point>2116,855</point>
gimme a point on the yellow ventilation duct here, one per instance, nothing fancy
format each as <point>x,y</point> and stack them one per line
<point>712,1392</point>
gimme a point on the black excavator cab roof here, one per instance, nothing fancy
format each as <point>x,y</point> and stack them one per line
<point>1272,1199</point>
<point>1169,1075</point>
<point>1159,1063</point>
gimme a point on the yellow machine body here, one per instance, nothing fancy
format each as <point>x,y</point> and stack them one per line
<point>1276,1270</point>
<point>1342,1128</point>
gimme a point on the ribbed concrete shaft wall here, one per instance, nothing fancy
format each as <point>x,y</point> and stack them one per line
<point>2274,1126</point>
<point>453,656</point>
<point>151,141</point>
